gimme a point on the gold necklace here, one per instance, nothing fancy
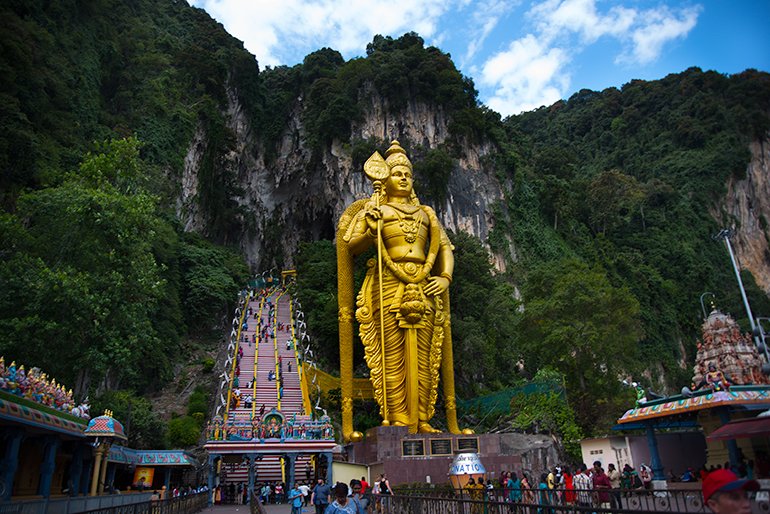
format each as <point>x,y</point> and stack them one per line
<point>409,225</point>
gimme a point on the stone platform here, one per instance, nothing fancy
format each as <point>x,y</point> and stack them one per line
<point>420,458</point>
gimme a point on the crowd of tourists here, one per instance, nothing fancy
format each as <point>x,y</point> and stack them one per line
<point>584,487</point>
<point>595,487</point>
<point>177,491</point>
<point>357,497</point>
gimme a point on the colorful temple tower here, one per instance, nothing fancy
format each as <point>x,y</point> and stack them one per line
<point>732,352</point>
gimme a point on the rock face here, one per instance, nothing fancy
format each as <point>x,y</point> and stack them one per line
<point>300,195</point>
<point>747,206</point>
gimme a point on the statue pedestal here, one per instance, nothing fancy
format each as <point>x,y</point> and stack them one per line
<point>427,458</point>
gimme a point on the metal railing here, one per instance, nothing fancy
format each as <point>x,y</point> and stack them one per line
<point>497,501</point>
<point>137,503</point>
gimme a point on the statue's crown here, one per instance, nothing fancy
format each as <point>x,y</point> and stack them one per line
<point>396,156</point>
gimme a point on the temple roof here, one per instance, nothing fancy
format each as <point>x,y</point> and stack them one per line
<point>105,426</point>
<point>123,455</point>
<point>737,396</point>
<point>14,409</point>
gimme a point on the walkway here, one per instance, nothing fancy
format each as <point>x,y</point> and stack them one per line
<point>244,509</point>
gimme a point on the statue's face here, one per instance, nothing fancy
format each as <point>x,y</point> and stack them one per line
<point>399,182</point>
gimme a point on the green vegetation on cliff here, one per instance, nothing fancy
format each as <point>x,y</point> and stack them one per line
<point>608,201</point>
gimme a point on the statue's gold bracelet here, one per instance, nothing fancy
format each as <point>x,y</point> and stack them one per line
<point>446,276</point>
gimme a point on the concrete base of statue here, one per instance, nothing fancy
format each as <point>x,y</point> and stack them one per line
<point>427,458</point>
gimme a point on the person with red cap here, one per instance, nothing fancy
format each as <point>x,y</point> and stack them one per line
<point>725,493</point>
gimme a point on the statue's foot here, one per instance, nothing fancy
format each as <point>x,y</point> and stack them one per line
<point>398,424</point>
<point>425,428</point>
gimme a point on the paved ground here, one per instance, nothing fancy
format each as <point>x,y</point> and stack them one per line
<point>244,509</point>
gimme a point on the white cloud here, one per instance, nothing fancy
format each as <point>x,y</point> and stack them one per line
<point>525,76</point>
<point>271,30</point>
<point>485,17</point>
<point>659,27</point>
<point>556,18</point>
<point>533,70</point>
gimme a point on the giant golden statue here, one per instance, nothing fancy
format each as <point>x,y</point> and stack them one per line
<point>403,305</point>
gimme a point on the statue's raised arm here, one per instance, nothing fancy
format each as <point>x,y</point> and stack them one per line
<point>403,305</point>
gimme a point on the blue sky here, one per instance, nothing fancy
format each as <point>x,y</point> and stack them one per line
<point>520,54</point>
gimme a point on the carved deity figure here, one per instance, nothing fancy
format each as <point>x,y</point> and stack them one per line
<point>403,305</point>
<point>716,380</point>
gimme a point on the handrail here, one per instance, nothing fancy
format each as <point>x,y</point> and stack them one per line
<point>111,504</point>
<point>235,356</point>
<point>545,500</point>
<point>303,386</point>
<point>622,500</point>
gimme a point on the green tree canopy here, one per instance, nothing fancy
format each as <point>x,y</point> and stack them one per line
<point>576,322</point>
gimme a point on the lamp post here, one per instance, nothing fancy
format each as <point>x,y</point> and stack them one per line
<point>702,307</point>
<point>725,234</point>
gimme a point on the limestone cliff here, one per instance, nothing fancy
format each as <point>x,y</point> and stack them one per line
<point>746,207</point>
<point>299,195</point>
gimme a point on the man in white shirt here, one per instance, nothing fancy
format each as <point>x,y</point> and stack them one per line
<point>305,490</point>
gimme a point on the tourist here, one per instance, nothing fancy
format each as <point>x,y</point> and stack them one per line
<point>645,472</point>
<point>474,493</point>
<point>356,495</point>
<point>545,493</point>
<point>601,484</point>
<point>614,476</point>
<point>279,493</point>
<point>527,496</point>
<point>342,504</point>
<point>569,486</point>
<point>504,485</point>
<point>295,500</point>
<point>321,496</point>
<point>513,486</point>
<point>305,490</point>
<point>583,487</point>
<point>364,485</point>
<point>265,492</point>
<point>725,493</point>
<point>385,493</point>
<point>558,484</point>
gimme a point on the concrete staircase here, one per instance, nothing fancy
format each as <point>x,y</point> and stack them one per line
<point>271,328</point>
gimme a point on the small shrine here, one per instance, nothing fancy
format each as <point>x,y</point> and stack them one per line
<point>727,384</point>
<point>103,430</point>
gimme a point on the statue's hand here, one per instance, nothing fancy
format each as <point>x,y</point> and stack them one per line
<point>436,286</point>
<point>373,215</point>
